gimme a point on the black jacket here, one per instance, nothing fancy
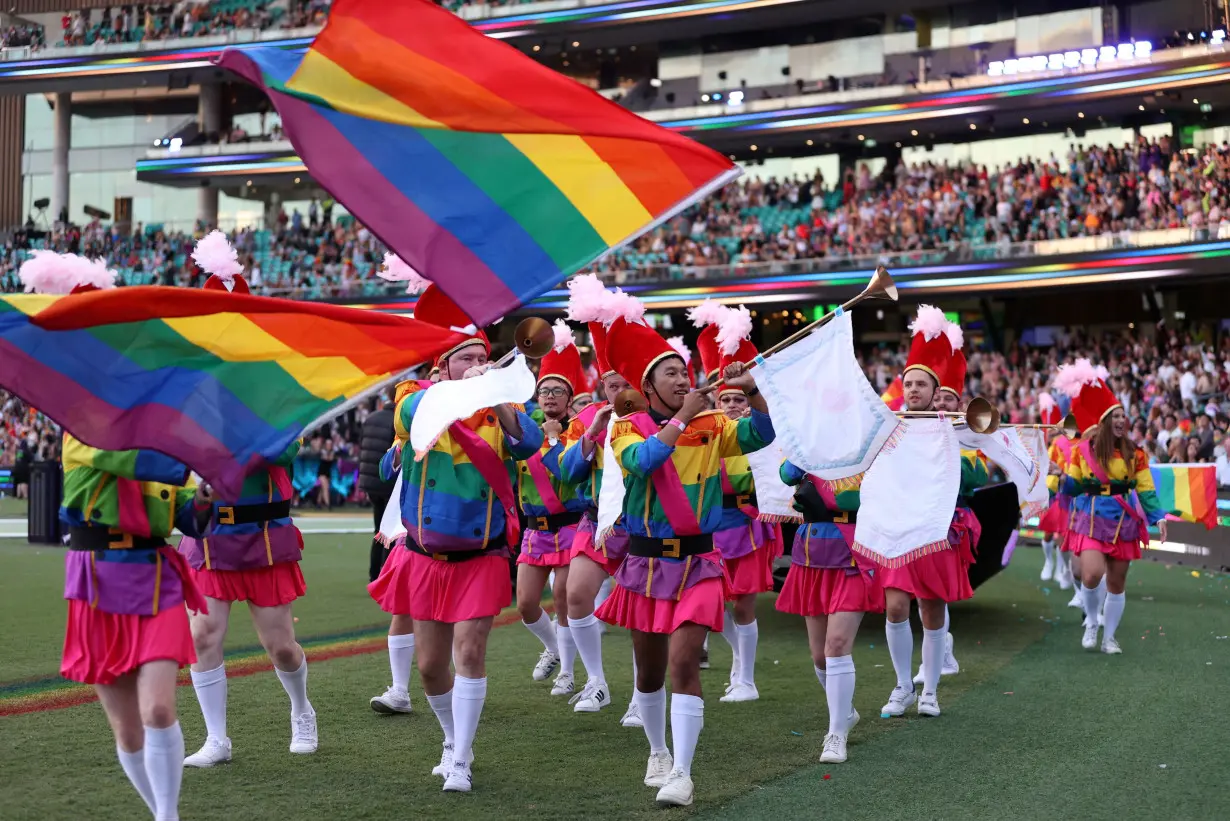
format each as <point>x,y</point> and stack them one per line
<point>376,441</point>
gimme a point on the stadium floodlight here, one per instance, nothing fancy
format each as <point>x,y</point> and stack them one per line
<point>995,68</point>
<point>1039,63</point>
<point>655,82</point>
<point>1010,66</point>
<point>734,98</point>
<point>717,96</point>
<point>1126,51</point>
<point>1144,48</point>
<point>1089,56</point>
<point>177,143</point>
<point>1218,36</point>
<point>1071,59</point>
<point>1054,62</point>
<point>1107,54</point>
<point>704,98</point>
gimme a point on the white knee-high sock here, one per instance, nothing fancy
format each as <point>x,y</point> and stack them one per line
<point>840,692</point>
<point>1102,594</point>
<point>134,768</point>
<point>210,686</point>
<point>1093,603</point>
<point>945,618</point>
<point>544,629</point>
<point>469,695</point>
<point>687,720</point>
<point>747,636</point>
<point>932,658</point>
<point>401,660</point>
<point>1048,549</point>
<point>442,706</point>
<point>587,636</point>
<point>822,674</point>
<point>901,651</point>
<point>604,593</point>
<point>728,631</point>
<point>567,650</point>
<point>653,715</point>
<point>164,765</point>
<point>1115,602</point>
<point>295,684</point>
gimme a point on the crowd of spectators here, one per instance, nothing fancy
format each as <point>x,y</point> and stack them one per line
<point>936,207</point>
<point>26,436</point>
<point>141,22</point>
<point>23,37</point>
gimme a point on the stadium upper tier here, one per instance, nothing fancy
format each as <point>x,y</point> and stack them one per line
<point>928,218</point>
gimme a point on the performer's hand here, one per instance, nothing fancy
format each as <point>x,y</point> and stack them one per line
<point>738,375</point>
<point>693,404</point>
<point>601,420</point>
<point>1161,529</point>
<point>477,370</point>
<point>552,429</point>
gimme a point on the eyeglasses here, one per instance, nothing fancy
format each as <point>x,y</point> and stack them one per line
<point>552,393</point>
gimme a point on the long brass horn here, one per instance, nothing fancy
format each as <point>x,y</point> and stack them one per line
<point>629,402</point>
<point>533,337</point>
<point>980,416</point>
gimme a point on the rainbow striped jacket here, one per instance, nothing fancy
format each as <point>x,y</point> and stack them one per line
<point>571,495</point>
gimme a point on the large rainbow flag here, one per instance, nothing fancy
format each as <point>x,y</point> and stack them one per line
<point>1188,491</point>
<point>219,381</point>
<point>492,175</point>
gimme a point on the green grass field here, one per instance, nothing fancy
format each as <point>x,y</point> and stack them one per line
<point>11,508</point>
<point>1033,726</point>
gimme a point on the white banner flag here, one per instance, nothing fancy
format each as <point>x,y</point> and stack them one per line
<point>390,523</point>
<point>447,402</point>
<point>774,498</point>
<point>611,490</point>
<point>1020,462</point>
<point>829,420</point>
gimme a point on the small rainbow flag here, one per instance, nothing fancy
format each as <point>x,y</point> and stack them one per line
<point>1188,491</point>
<point>894,395</point>
<point>489,173</point>
<point>218,381</point>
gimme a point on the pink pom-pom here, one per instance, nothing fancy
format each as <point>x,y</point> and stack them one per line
<point>563,335</point>
<point>930,322</point>
<point>620,305</point>
<point>395,269</point>
<point>94,272</point>
<point>1046,402</point>
<point>215,254</point>
<point>47,272</point>
<point>586,298</point>
<point>681,348</point>
<point>1072,378</point>
<point>956,336</point>
<point>1102,373</point>
<point>709,312</point>
<point>734,327</point>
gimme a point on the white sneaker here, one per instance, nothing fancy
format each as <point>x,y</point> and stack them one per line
<point>740,692</point>
<point>1048,569</point>
<point>1078,601</point>
<point>546,665</point>
<point>446,762</point>
<point>592,698</point>
<point>834,749</point>
<point>658,771</point>
<point>951,667</point>
<point>459,778</point>
<point>303,733</point>
<point>1090,640</point>
<point>678,790</point>
<point>632,718</point>
<point>393,701</point>
<point>1111,647</point>
<point>563,685</point>
<point>1063,573</point>
<point>928,705</point>
<point>899,700</point>
<point>214,751</point>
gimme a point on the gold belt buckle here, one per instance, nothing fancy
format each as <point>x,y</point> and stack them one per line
<point>226,515</point>
<point>540,523</point>
<point>675,545</point>
<point>124,543</point>
<point>440,557</point>
<point>843,519</point>
<point>743,500</point>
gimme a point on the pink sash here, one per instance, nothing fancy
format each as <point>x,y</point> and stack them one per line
<point>491,467</point>
<point>1133,510</point>
<point>542,483</point>
<point>748,510</point>
<point>668,485</point>
<point>1066,445</point>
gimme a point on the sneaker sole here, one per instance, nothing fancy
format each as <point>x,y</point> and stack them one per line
<point>673,802</point>
<point>198,766</point>
<point>304,752</point>
<point>929,714</point>
<point>456,789</point>
<point>388,710</point>
<point>832,759</point>
<point>599,708</point>
<point>633,724</point>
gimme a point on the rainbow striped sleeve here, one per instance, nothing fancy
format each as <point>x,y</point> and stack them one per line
<point>568,493</point>
<point>974,472</point>
<point>141,465</point>
<point>585,473</point>
<point>1146,490</point>
<point>747,435</point>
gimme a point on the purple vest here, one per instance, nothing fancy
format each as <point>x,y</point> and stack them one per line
<point>824,545</point>
<point>538,543</point>
<point>737,542</point>
<point>1121,528</point>
<point>127,582</point>
<point>667,578</point>
<point>269,544</point>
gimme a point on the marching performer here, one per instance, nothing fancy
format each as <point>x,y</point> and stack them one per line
<point>669,590</point>
<point>1113,498</point>
<point>582,465</point>
<point>748,545</point>
<point>1054,520</point>
<point>939,575</point>
<point>831,588</point>
<point>459,511</point>
<point>553,508</point>
<point>251,554</point>
<point>126,587</point>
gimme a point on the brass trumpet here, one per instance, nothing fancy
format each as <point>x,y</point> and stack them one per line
<point>980,416</point>
<point>1067,427</point>
<point>533,337</point>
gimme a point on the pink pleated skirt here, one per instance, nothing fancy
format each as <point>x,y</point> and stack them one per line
<point>391,589</point>
<point>452,592</point>
<point>99,647</point>
<point>1124,551</point>
<point>583,545</point>
<point>942,575</point>
<point>753,572</point>
<point>271,586</point>
<point>702,603</point>
<point>823,591</point>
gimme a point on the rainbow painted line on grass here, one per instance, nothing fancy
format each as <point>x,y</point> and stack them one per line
<point>55,693</point>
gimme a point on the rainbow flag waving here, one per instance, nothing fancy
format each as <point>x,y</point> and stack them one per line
<point>490,174</point>
<point>894,395</point>
<point>1188,491</point>
<point>221,382</point>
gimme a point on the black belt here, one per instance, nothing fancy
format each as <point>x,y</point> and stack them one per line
<point>734,501</point>
<point>253,514</point>
<point>838,517</point>
<point>592,513</point>
<point>553,524</point>
<point>457,555</point>
<point>675,548</point>
<point>101,538</point>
